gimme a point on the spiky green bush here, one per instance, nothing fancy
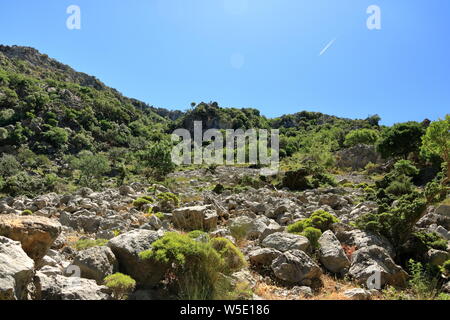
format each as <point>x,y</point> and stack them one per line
<point>320,219</point>
<point>121,285</point>
<point>196,269</point>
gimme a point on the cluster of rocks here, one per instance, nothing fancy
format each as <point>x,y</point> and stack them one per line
<point>38,262</point>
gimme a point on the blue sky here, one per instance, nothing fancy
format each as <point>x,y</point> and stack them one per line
<point>263,54</point>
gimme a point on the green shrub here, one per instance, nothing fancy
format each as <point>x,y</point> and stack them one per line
<point>233,257</point>
<point>432,240</point>
<point>167,198</point>
<point>89,243</point>
<point>320,219</point>
<point>405,167</point>
<point>9,165</point>
<point>397,224</point>
<point>140,202</point>
<point>27,213</point>
<point>196,234</point>
<point>313,236</point>
<point>92,168</point>
<point>121,285</point>
<point>361,136</point>
<point>323,180</point>
<point>401,186</point>
<point>443,296</point>
<point>196,268</point>
<point>401,139</point>
<point>58,137</point>
<point>159,159</point>
<point>423,283</point>
<point>445,268</point>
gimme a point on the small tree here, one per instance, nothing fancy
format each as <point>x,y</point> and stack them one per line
<point>121,285</point>
<point>362,136</point>
<point>158,158</point>
<point>436,141</point>
<point>9,166</point>
<point>401,139</point>
<point>92,167</point>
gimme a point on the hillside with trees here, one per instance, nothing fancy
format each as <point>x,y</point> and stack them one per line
<point>91,170</point>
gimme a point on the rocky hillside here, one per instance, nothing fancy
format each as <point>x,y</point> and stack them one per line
<point>46,240</point>
<point>92,207</point>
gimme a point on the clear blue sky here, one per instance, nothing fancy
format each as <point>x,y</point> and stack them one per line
<point>253,53</point>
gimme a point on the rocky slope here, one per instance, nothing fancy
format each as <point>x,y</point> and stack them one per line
<point>40,251</point>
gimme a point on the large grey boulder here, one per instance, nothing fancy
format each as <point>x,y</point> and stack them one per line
<point>433,218</point>
<point>263,256</point>
<point>443,210</point>
<point>16,270</point>
<point>437,257</point>
<point>127,247</point>
<point>358,294</point>
<point>254,229</point>
<point>96,263</point>
<point>331,253</point>
<point>195,218</point>
<point>295,266</point>
<point>36,234</point>
<point>286,241</point>
<point>446,287</point>
<point>373,261</point>
<point>362,239</point>
<point>85,220</point>
<point>357,157</point>
<point>68,288</point>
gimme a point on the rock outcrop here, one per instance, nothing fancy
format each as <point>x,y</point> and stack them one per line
<point>36,234</point>
<point>16,270</point>
<point>127,247</point>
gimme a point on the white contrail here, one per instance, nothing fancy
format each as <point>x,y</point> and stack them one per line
<point>327,47</point>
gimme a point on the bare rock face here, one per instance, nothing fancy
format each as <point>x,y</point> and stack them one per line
<point>295,266</point>
<point>127,247</point>
<point>369,261</point>
<point>195,218</point>
<point>283,242</point>
<point>358,294</point>
<point>357,157</point>
<point>263,257</point>
<point>96,263</point>
<point>443,210</point>
<point>68,288</point>
<point>36,234</point>
<point>16,270</point>
<point>331,254</point>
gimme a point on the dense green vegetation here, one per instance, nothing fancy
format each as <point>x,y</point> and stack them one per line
<point>196,269</point>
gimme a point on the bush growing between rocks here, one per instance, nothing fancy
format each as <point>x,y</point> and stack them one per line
<point>361,136</point>
<point>320,219</point>
<point>121,285</point>
<point>140,202</point>
<point>168,198</point>
<point>196,269</point>
<point>396,224</point>
<point>432,240</point>
<point>89,243</point>
<point>26,213</point>
<point>233,257</point>
<point>445,268</point>
<point>423,282</point>
<point>196,234</point>
<point>313,235</point>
